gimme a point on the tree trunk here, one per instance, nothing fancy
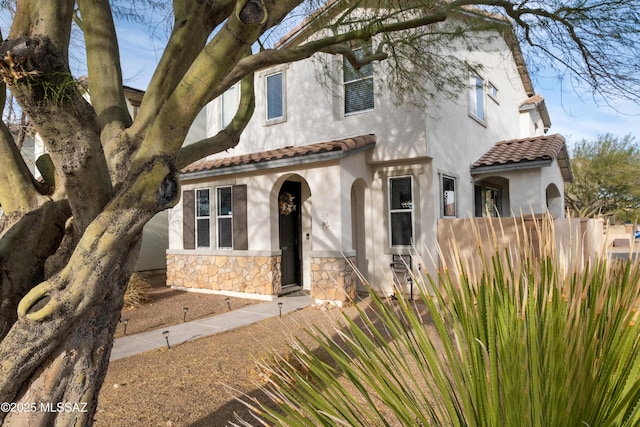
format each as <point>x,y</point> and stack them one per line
<point>55,355</point>
<point>58,361</point>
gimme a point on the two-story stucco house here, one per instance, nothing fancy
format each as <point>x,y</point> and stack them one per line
<point>328,179</point>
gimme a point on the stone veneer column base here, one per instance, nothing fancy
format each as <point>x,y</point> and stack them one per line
<point>226,273</point>
<point>333,280</point>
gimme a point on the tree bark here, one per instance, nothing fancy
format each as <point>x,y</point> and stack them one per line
<point>67,248</point>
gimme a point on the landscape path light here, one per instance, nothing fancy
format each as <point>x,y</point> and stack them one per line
<point>165,334</point>
<point>124,323</point>
<point>228,301</point>
<point>280,308</point>
<point>184,313</point>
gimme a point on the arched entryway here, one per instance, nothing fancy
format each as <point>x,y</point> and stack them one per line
<point>290,237</point>
<point>292,219</point>
<point>555,204</point>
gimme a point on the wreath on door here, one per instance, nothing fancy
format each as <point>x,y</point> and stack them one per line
<point>286,204</point>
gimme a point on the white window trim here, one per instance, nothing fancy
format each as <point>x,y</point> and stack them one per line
<point>471,100</point>
<point>282,118</point>
<point>197,217</point>
<point>455,195</point>
<point>218,217</point>
<point>495,97</point>
<point>390,211</point>
<point>344,92</point>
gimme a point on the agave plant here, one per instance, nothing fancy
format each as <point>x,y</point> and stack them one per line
<point>511,337</point>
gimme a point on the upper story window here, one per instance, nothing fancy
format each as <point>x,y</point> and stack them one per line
<point>224,216</point>
<point>401,210</point>
<point>228,106</point>
<point>203,218</point>
<point>492,92</point>
<point>275,96</point>
<point>448,196</point>
<point>477,105</point>
<point>358,86</point>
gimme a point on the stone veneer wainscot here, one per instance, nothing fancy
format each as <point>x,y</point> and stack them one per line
<point>333,279</point>
<point>226,273</point>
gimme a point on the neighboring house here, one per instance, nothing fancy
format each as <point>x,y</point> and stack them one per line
<point>326,180</point>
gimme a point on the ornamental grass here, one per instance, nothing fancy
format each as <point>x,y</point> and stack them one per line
<point>517,334</point>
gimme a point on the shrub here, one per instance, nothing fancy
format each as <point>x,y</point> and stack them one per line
<point>137,292</point>
<point>512,338</point>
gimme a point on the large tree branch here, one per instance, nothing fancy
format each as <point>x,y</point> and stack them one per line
<point>36,70</point>
<point>194,22</point>
<point>333,43</point>
<point>229,136</point>
<point>18,191</point>
<point>202,81</point>
<point>103,63</point>
<point>24,249</point>
<point>48,18</point>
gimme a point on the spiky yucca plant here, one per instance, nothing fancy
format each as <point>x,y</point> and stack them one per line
<point>512,337</point>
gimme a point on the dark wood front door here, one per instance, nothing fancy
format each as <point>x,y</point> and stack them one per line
<point>289,215</point>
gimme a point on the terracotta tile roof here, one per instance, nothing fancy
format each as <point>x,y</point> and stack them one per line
<point>523,152</point>
<point>344,145</point>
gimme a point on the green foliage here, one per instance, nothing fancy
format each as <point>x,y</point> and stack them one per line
<point>511,337</point>
<point>606,179</point>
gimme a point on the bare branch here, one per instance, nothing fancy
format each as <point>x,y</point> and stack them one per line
<point>226,138</point>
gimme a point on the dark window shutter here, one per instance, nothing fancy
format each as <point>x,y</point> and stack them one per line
<point>240,236</point>
<point>188,219</point>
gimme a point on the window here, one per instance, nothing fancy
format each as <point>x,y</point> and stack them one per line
<point>275,97</point>
<point>401,210</point>
<point>228,106</point>
<point>476,98</point>
<point>358,86</point>
<point>203,218</point>
<point>448,196</point>
<point>493,93</point>
<point>224,217</point>
<point>230,218</point>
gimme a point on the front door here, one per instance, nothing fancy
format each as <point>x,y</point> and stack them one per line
<point>289,216</point>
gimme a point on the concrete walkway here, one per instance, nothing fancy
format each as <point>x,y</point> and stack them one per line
<point>139,343</point>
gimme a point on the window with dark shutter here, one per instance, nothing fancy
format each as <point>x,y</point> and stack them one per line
<point>240,235</point>
<point>188,219</point>
<point>231,218</point>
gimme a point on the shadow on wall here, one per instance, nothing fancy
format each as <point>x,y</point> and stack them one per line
<point>155,242</point>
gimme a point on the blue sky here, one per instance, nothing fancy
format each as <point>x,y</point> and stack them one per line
<point>575,116</point>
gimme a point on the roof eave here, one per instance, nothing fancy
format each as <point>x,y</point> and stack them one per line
<point>510,167</point>
<point>274,163</point>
